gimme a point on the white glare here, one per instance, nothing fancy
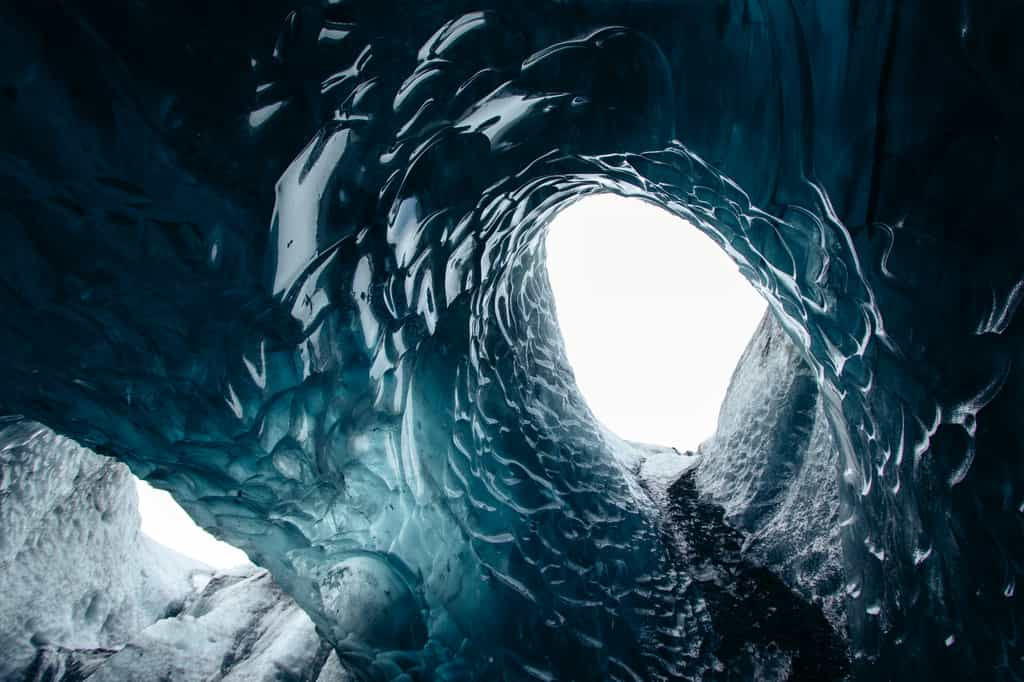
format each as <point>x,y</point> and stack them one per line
<point>654,317</point>
<point>167,523</point>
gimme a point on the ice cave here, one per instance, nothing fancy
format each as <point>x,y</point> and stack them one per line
<point>285,260</point>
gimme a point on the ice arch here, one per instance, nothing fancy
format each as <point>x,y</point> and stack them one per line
<point>370,398</point>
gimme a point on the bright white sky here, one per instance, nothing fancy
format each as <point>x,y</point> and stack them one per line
<point>654,316</point>
<point>167,523</point>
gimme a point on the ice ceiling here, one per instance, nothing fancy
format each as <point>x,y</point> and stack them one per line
<point>286,262</point>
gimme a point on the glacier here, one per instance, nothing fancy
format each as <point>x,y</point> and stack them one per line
<point>285,261</point>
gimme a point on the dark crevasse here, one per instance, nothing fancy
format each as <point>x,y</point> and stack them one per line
<point>761,630</point>
<point>286,261</point>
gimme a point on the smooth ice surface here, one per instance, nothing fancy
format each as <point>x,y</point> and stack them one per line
<point>286,262</point>
<point>165,521</point>
<point>656,371</point>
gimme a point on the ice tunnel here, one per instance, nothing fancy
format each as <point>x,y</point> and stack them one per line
<point>285,261</point>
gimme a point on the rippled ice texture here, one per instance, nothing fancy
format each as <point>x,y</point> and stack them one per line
<point>287,263</point>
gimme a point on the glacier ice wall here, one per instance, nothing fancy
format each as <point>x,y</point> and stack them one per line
<point>771,466</point>
<point>286,262</point>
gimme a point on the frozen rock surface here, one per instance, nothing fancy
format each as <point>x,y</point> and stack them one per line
<point>75,572</point>
<point>239,628</point>
<point>285,260</point>
<point>85,595</point>
<point>772,464</point>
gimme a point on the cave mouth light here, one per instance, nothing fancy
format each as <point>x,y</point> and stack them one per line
<point>165,521</point>
<point>654,316</point>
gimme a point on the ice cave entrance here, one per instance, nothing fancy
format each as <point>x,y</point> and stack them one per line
<point>165,521</point>
<point>654,316</point>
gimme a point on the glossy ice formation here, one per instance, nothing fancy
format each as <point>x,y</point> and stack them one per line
<point>286,262</point>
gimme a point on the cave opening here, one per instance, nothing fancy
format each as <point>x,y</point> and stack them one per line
<point>653,323</point>
<point>165,521</point>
